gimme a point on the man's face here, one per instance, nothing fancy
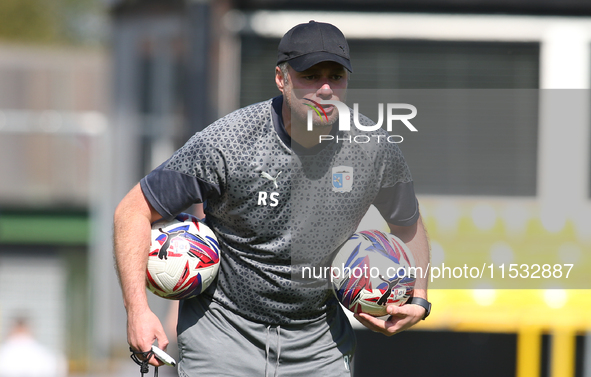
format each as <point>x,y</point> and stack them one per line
<point>323,81</point>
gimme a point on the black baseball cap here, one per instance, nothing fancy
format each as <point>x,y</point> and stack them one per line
<point>308,44</point>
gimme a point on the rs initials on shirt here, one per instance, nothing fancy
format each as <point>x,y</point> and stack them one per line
<point>271,198</point>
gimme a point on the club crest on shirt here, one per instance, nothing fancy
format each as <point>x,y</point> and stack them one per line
<point>342,178</point>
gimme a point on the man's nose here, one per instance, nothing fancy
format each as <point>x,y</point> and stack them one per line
<point>325,90</point>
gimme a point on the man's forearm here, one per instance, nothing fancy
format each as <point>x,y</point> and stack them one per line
<point>131,247</point>
<point>415,237</point>
<point>419,246</point>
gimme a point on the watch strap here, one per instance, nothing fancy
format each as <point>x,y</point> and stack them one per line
<point>421,302</point>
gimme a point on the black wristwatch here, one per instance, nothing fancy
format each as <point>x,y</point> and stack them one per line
<point>421,302</point>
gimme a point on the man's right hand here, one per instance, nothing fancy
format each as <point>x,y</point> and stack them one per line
<point>143,329</point>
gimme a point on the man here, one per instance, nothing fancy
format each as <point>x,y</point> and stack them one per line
<point>267,180</point>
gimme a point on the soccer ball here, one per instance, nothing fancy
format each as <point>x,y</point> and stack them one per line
<point>371,270</point>
<point>184,258</point>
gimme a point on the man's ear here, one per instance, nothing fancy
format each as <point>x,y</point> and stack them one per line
<point>279,79</point>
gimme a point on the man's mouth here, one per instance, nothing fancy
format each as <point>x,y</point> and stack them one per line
<point>319,109</point>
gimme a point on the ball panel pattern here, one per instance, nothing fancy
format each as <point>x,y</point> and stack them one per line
<point>184,258</point>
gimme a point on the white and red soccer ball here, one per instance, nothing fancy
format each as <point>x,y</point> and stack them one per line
<point>372,270</point>
<point>184,258</point>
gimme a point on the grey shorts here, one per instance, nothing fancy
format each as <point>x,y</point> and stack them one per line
<point>214,341</point>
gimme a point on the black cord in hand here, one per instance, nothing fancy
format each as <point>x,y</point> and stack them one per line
<point>143,363</point>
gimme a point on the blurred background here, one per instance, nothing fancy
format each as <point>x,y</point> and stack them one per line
<point>96,93</point>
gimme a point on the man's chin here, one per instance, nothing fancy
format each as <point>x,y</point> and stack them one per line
<point>323,125</point>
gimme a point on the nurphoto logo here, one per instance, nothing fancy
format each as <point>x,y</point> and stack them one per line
<point>345,120</point>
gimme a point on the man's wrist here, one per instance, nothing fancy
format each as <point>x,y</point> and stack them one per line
<point>136,307</point>
<point>422,303</point>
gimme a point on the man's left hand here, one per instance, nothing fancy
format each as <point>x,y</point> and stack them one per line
<point>401,318</point>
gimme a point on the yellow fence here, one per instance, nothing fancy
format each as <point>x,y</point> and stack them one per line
<point>517,270</point>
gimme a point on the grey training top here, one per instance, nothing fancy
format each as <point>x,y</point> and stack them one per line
<point>277,207</point>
